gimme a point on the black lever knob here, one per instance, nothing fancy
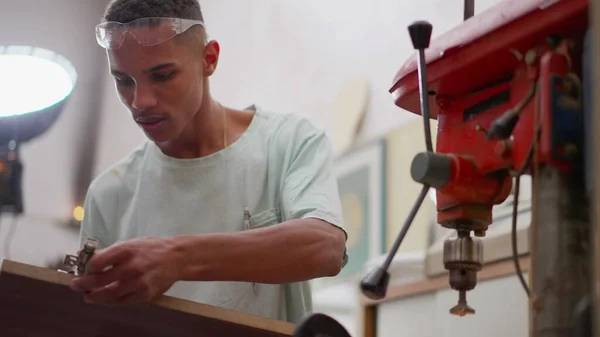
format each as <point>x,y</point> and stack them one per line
<point>375,284</point>
<point>420,34</point>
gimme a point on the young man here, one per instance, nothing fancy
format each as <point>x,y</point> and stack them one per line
<point>232,208</point>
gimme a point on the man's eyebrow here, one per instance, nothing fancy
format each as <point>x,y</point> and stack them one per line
<point>160,67</point>
<point>115,72</point>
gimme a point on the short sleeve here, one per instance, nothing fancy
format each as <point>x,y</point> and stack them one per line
<point>310,187</point>
<point>93,224</point>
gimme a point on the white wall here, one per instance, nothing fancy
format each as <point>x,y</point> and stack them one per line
<point>500,310</point>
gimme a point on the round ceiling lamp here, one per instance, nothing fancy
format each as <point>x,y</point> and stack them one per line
<point>35,84</point>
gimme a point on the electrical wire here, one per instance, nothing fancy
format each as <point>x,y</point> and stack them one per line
<point>517,175</point>
<point>513,236</point>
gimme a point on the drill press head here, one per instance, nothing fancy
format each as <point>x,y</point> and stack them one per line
<point>465,201</point>
<point>466,205</point>
<point>480,80</point>
<point>465,194</point>
<point>469,176</point>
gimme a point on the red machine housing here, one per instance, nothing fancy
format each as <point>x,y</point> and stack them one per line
<point>516,55</point>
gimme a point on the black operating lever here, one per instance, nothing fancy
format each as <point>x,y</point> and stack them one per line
<point>375,284</point>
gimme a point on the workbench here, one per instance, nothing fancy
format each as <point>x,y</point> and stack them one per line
<point>37,302</point>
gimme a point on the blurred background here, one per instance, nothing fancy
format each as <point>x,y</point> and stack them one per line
<point>332,60</point>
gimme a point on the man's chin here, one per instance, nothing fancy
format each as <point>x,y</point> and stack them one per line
<point>157,136</point>
<point>160,139</point>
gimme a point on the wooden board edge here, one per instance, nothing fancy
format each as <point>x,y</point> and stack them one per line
<point>172,303</point>
<point>37,273</point>
<point>225,315</point>
<point>495,270</point>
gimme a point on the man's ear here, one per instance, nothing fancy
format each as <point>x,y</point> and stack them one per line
<point>211,57</point>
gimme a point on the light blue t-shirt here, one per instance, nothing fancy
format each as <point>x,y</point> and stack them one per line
<point>280,168</point>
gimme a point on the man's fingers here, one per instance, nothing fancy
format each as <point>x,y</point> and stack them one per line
<point>111,294</point>
<point>108,257</point>
<point>104,294</point>
<point>90,282</point>
<point>131,298</point>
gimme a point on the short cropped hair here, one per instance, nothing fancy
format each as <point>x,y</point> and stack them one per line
<point>124,11</point>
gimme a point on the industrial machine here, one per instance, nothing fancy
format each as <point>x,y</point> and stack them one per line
<point>507,90</point>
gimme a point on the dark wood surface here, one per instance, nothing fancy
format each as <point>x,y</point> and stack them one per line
<point>37,302</point>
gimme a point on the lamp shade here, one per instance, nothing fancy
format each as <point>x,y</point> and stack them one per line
<point>35,85</point>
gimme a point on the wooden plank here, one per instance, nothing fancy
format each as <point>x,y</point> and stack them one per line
<point>36,301</point>
<point>491,271</point>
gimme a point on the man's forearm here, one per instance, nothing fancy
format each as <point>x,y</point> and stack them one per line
<point>293,251</point>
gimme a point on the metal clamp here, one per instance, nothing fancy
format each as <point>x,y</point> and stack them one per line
<point>77,264</point>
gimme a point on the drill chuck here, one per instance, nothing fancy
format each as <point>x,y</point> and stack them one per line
<point>463,251</point>
<point>463,258</point>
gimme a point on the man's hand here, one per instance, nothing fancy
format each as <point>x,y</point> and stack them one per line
<point>129,272</point>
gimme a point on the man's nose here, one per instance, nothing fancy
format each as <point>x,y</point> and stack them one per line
<point>143,98</point>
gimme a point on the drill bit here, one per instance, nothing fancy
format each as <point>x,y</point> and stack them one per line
<point>462,308</point>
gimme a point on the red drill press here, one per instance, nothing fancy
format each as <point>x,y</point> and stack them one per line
<point>506,90</point>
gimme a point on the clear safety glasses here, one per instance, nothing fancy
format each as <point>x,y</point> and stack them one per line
<point>146,31</point>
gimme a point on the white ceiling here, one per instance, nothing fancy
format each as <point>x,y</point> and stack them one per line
<point>63,155</point>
